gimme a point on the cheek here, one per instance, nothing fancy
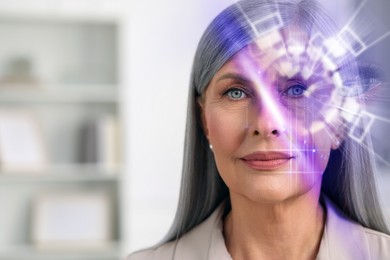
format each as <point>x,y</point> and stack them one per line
<point>312,143</point>
<point>315,147</point>
<point>226,128</point>
<point>322,143</point>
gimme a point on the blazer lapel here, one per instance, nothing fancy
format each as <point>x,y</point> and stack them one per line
<point>205,241</point>
<point>343,239</point>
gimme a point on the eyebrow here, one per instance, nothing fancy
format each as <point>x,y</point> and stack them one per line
<point>234,76</point>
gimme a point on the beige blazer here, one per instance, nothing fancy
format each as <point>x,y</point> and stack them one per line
<point>342,239</point>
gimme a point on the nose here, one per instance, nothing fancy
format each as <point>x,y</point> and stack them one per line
<point>274,132</point>
<point>267,120</point>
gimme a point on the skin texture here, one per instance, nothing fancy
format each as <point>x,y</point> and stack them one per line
<point>252,106</point>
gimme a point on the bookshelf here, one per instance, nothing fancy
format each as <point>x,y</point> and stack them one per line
<point>60,75</point>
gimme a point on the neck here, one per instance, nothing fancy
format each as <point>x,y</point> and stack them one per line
<point>291,229</point>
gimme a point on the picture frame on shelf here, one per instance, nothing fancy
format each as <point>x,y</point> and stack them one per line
<point>22,148</point>
<point>70,221</point>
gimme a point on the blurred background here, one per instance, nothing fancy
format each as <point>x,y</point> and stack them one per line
<point>93,100</point>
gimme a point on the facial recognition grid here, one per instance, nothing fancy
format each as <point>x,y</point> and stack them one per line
<point>325,55</point>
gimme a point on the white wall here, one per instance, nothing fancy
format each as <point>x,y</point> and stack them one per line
<point>162,39</point>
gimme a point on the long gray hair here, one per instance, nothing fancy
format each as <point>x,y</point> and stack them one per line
<point>349,178</point>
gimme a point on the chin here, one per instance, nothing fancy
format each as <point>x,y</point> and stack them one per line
<point>281,189</point>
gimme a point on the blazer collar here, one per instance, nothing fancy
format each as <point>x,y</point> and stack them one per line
<point>218,248</point>
<point>342,238</point>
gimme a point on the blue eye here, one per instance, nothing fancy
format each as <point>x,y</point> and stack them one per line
<point>296,90</point>
<point>236,94</point>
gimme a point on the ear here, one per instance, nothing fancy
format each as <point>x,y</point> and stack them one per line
<point>201,104</point>
<point>335,144</point>
<point>339,133</point>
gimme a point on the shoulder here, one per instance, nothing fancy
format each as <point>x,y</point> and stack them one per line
<point>165,251</point>
<point>379,244</point>
<point>344,238</point>
<point>199,243</point>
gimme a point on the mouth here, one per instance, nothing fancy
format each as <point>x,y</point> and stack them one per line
<point>265,161</point>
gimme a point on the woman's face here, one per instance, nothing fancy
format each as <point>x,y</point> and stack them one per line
<point>266,125</point>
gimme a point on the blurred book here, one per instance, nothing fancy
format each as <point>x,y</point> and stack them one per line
<point>99,142</point>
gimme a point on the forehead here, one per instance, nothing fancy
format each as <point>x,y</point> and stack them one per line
<point>278,51</point>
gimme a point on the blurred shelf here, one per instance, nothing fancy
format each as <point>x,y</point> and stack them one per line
<point>30,252</point>
<point>60,60</point>
<point>64,9</point>
<point>61,173</point>
<point>58,94</point>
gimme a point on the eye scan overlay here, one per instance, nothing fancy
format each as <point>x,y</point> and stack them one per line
<point>313,85</point>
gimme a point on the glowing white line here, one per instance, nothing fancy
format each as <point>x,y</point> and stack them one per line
<point>328,124</point>
<point>379,39</point>
<point>275,14</point>
<point>360,7</point>
<point>247,19</point>
<point>367,128</point>
<point>371,151</point>
<point>348,43</point>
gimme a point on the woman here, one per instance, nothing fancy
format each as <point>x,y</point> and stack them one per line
<point>276,165</point>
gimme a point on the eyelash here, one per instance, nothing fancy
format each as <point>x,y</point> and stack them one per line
<point>294,85</point>
<point>232,89</point>
<point>247,94</point>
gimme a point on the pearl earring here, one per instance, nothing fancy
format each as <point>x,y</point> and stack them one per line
<point>211,147</point>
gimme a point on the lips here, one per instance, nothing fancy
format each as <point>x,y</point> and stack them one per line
<point>264,161</point>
